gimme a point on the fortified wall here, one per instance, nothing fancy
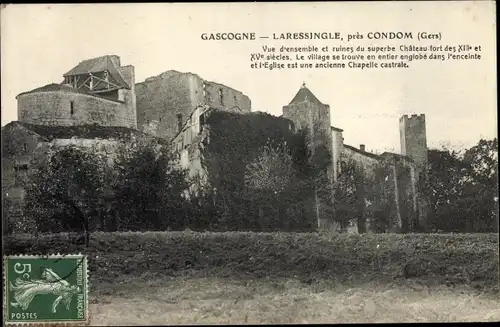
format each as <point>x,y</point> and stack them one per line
<point>57,105</point>
<point>165,102</point>
<point>101,93</point>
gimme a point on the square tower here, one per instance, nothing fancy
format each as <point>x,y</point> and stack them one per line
<point>414,139</point>
<point>414,145</point>
<point>307,112</point>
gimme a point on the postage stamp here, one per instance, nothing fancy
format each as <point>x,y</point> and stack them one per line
<point>51,289</point>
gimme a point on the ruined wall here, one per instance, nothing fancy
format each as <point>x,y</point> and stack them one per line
<point>191,130</point>
<point>129,96</point>
<point>369,163</point>
<point>68,109</point>
<point>160,99</point>
<point>164,99</point>
<point>223,97</point>
<point>388,187</point>
<point>337,147</point>
<point>17,165</point>
<point>187,143</point>
<point>18,147</point>
<point>108,147</point>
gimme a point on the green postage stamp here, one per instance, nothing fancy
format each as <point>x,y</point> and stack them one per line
<point>42,289</point>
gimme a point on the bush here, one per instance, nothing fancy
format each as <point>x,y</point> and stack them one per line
<point>148,191</point>
<point>79,189</point>
<point>450,258</point>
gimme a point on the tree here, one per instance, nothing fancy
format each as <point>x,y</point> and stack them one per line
<point>383,209</point>
<point>149,188</point>
<point>480,189</point>
<point>462,189</point>
<point>66,189</point>
<point>345,196</point>
<point>271,170</point>
<point>268,180</point>
<point>316,160</point>
<point>350,195</point>
<point>443,189</point>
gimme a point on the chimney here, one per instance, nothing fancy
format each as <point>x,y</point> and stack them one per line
<point>362,147</point>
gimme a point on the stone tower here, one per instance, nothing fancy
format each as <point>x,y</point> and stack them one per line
<point>414,145</point>
<point>307,112</point>
<point>414,140</point>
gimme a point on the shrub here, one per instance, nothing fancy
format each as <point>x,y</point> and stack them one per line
<point>446,258</point>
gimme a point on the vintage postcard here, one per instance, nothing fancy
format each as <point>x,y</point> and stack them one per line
<point>249,163</point>
<point>36,285</point>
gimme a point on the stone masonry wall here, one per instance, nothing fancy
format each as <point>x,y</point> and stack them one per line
<point>54,108</point>
<point>222,97</point>
<point>413,138</point>
<point>315,117</point>
<point>129,96</point>
<point>18,147</point>
<point>337,146</point>
<point>369,164</point>
<point>162,98</point>
<point>414,145</point>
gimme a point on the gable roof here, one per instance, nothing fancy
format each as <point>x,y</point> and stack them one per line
<point>368,154</point>
<point>304,94</point>
<point>50,133</point>
<point>99,64</point>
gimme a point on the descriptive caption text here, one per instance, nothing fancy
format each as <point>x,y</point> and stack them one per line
<point>330,50</point>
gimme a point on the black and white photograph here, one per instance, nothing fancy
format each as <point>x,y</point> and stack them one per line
<point>249,163</point>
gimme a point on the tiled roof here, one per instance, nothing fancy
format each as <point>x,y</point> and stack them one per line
<point>53,87</point>
<point>65,88</point>
<point>368,154</point>
<point>82,131</point>
<point>303,95</point>
<point>93,65</point>
<point>99,64</point>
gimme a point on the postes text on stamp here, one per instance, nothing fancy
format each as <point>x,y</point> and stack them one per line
<point>45,289</point>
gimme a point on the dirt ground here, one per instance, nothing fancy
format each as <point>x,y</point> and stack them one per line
<point>183,300</point>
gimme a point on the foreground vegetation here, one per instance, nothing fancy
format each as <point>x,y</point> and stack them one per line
<point>261,177</point>
<point>430,259</point>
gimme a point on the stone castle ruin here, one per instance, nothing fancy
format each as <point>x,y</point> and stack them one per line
<point>99,101</point>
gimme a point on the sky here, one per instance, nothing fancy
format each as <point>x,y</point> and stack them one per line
<point>40,42</point>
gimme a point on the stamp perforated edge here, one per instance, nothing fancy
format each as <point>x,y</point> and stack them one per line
<point>84,258</point>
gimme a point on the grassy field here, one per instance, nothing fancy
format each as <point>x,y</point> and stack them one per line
<point>187,277</point>
<point>180,300</point>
